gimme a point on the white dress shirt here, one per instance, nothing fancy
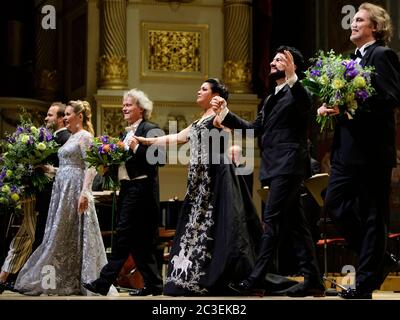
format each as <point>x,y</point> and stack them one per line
<point>131,130</point>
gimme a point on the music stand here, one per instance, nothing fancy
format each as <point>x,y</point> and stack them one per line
<point>316,185</point>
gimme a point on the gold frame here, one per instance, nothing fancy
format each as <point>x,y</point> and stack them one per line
<point>197,55</point>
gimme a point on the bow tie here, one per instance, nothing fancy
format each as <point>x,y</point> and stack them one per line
<point>131,128</point>
<point>356,55</point>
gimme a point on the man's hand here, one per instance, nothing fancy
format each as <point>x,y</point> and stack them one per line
<point>290,69</point>
<point>326,110</point>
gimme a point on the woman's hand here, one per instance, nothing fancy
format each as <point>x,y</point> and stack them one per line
<point>217,122</point>
<point>83,204</point>
<point>326,110</point>
<point>217,104</point>
<point>145,141</point>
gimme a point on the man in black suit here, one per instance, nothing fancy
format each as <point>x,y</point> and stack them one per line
<point>282,125</point>
<point>30,233</point>
<point>54,122</point>
<point>137,227</point>
<point>364,153</point>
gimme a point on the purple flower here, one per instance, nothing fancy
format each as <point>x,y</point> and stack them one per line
<point>319,63</point>
<point>113,147</point>
<point>30,141</point>
<point>104,139</point>
<point>14,189</point>
<point>19,130</point>
<point>361,94</point>
<point>315,73</point>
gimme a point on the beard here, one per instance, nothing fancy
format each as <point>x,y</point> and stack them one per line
<point>277,75</point>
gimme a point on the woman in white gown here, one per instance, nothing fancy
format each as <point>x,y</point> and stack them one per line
<point>72,251</point>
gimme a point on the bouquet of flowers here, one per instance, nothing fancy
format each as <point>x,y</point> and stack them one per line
<point>10,196</point>
<point>106,154</point>
<point>338,82</point>
<point>25,150</point>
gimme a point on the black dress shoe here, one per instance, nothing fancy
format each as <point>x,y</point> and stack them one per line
<point>306,289</point>
<point>96,288</point>
<point>137,292</point>
<point>245,288</point>
<point>355,294</point>
<point>242,288</point>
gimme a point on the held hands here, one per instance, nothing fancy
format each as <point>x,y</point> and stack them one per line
<point>326,110</point>
<point>132,142</point>
<point>217,104</point>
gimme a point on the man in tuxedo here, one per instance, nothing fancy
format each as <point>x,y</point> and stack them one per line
<point>54,122</point>
<point>364,153</point>
<point>282,125</point>
<point>30,233</point>
<point>137,227</point>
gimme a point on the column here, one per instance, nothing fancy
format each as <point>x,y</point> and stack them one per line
<point>113,65</point>
<point>237,57</point>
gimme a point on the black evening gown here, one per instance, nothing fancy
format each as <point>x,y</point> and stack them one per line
<point>218,228</point>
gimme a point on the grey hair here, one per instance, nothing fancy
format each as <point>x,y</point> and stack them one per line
<point>142,100</point>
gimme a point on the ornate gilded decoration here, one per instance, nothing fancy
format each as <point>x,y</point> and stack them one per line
<point>112,121</point>
<point>237,75</point>
<point>113,72</point>
<point>174,50</point>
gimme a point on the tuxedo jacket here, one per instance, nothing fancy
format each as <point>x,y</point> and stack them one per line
<point>370,137</point>
<point>138,164</point>
<point>282,124</point>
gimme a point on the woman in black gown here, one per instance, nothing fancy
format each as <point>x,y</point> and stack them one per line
<point>218,227</point>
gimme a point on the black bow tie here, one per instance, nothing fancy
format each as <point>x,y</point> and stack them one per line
<point>356,55</point>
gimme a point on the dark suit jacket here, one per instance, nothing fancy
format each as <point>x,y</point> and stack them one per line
<point>282,125</point>
<point>370,137</point>
<point>138,164</point>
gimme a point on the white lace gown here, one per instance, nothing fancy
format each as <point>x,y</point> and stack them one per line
<point>72,251</point>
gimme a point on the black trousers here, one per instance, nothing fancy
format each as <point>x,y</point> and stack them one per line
<point>284,215</point>
<point>357,199</point>
<point>136,233</point>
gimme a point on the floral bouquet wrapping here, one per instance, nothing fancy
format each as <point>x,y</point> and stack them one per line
<point>25,151</point>
<point>106,154</point>
<point>338,82</point>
